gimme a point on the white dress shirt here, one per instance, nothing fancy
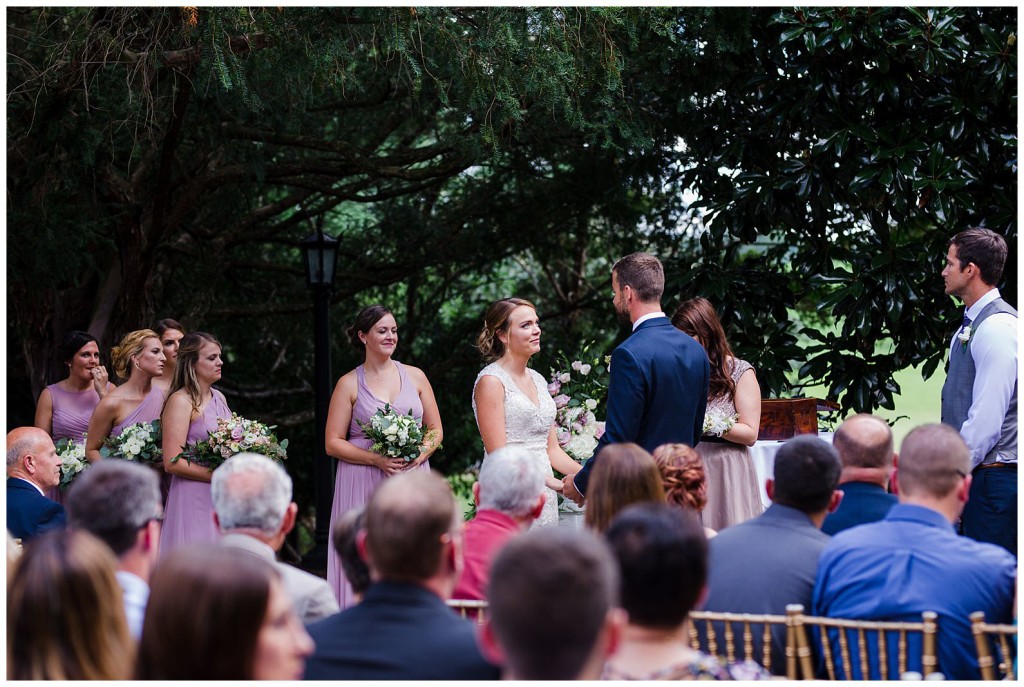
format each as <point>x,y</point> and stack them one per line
<point>136,596</point>
<point>648,316</point>
<point>994,350</point>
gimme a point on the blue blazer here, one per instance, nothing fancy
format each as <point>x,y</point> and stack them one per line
<point>30,513</point>
<point>657,391</point>
<point>862,503</point>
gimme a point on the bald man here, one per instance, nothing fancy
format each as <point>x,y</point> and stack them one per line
<point>864,445</point>
<point>32,467</point>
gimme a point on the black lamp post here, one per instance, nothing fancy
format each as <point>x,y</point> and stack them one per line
<point>320,251</point>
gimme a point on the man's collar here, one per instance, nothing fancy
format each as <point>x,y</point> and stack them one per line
<point>979,305</point>
<point>28,481</point>
<point>648,316</point>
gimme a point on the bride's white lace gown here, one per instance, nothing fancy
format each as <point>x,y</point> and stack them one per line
<point>527,425</point>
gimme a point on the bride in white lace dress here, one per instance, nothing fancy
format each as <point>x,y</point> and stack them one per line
<point>511,401</point>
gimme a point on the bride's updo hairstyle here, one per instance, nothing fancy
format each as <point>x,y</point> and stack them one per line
<point>131,345</point>
<point>496,319</point>
<point>682,474</point>
<point>367,317</point>
<point>697,317</point>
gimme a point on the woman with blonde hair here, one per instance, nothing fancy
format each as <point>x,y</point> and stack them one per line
<point>65,614</point>
<point>139,359</point>
<point>190,414</point>
<point>684,479</point>
<point>626,474</point>
<point>734,494</point>
<point>511,402</point>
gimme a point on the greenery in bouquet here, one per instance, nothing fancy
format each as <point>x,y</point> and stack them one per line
<point>396,435</point>
<point>139,443</point>
<point>717,423</point>
<point>235,435</point>
<point>72,460</point>
<point>579,389</point>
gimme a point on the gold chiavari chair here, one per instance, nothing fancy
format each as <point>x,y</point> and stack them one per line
<point>985,636</point>
<point>744,627</point>
<point>471,610</point>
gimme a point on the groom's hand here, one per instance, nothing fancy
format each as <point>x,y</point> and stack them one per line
<point>570,492</point>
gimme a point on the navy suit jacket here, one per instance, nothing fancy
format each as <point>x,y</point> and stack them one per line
<point>30,513</point>
<point>398,632</point>
<point>862,503</point>
<point>657,391</point>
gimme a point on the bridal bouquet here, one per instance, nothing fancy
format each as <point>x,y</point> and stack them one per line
<point>579,389</point>
<point>138,443</point>
<point>717,423</point>
<point>235,435</point>
<point>395,435</point>
<point>72,460</point>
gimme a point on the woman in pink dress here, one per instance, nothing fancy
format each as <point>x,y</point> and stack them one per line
<point>357,396</point>
<point>170,332</point>
<point>190,414</point>
<point>65,408</point>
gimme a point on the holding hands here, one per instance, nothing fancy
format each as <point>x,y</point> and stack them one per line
<point>570,491</point>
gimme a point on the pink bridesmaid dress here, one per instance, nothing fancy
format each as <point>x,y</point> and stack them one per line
<point>147,411</point>
<point>72,411</point>
<point>354,483</point>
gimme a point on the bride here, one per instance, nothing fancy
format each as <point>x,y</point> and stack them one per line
<point>511,401</point>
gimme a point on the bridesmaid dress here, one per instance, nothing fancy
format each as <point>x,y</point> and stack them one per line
<point>147,411</point>
<point>354,483</point>
<point>72,411</point>
<point>188,516</point>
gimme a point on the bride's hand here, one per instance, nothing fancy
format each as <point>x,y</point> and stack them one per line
<point>553,484</point>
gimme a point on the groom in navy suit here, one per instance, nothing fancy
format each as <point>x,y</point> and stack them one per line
<point>33,466</point>
<point>658,388</point>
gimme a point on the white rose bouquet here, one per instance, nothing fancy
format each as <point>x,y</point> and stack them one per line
<point>717,423</point>
<point>72,460</point>
<point>235,435</point>
<point>395,435</point>
<point>139,443</point>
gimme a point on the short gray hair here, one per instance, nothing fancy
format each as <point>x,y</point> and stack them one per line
<point>511,478</point>
<point>250,491</point>
<point>19,448</point>
<point>113,500</point>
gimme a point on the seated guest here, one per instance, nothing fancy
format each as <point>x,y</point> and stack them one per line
<point>33,467</point>
<point>217,613</point>
<point>402,629</point>
<point>912,560</point>
<point>344,537</point>
<point>509,494</point>
<point>864,445</point>
<point>662,555</point>
<point>684,478</point>
<point>65,618</point>
<point>254,511</point>
<point>553,597</point>
<point>764,564</point>
<point>119,503</point>
<point>626,474</point>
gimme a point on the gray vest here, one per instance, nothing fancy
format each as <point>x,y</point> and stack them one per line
<point>957,391</point>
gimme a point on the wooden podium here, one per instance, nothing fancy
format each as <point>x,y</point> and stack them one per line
<point>785,418</point>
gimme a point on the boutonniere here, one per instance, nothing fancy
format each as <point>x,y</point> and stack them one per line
<point>964,336</point>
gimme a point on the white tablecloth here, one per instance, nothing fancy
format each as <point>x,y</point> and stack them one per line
<point>763,455</point>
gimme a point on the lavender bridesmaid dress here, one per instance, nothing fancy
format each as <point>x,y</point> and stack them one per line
<point>72,411</point>
<point>147,411</point>
<point>188,516</point>
<point>354,483</point>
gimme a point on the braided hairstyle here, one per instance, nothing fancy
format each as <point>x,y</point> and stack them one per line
<point>682,473</point>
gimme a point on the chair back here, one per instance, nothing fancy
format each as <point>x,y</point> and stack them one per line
<point>719,633</point>
<point>987,636</point>
<point>863,649</point>
<point>473,610</point>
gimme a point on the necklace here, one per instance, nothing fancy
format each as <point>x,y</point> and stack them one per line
<point>387,375</point>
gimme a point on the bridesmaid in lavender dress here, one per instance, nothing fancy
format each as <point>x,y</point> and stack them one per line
<point>190,414</point>
<point>170,332</point>
<point>64,409</point>
<point>357,396</point>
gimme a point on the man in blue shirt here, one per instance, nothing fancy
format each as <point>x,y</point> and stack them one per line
<point>864,444</point>
<point>913,561</point>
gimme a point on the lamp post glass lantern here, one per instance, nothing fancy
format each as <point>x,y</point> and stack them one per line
<point>320,251</point>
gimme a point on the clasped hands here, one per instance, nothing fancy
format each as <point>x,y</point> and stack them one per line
<point>569,491</point>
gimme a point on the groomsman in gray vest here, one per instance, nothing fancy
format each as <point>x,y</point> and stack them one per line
<point>979,398</point>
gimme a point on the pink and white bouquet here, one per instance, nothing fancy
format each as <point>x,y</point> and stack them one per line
<point>72,460</point>
<point>139,443</point>
<point>235,435</point>
<point>395,435</point>
<point>579,390</point>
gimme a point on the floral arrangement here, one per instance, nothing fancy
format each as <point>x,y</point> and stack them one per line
<point>717,423</point>
<point>235,435</point>
<point>138,443</point>
<point>579,389</point>
<point>72,460</point>
<point>965,335</point>
<point>395,435</point>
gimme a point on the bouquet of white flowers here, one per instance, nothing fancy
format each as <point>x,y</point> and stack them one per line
<point>579,389</point>
<point>717,423</point>
<point>235,435</point>
<point>139,443</point>
<point>72,460</point>
<point>395,435</point>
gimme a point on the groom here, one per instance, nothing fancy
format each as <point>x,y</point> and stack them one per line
<point>658,387</point>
